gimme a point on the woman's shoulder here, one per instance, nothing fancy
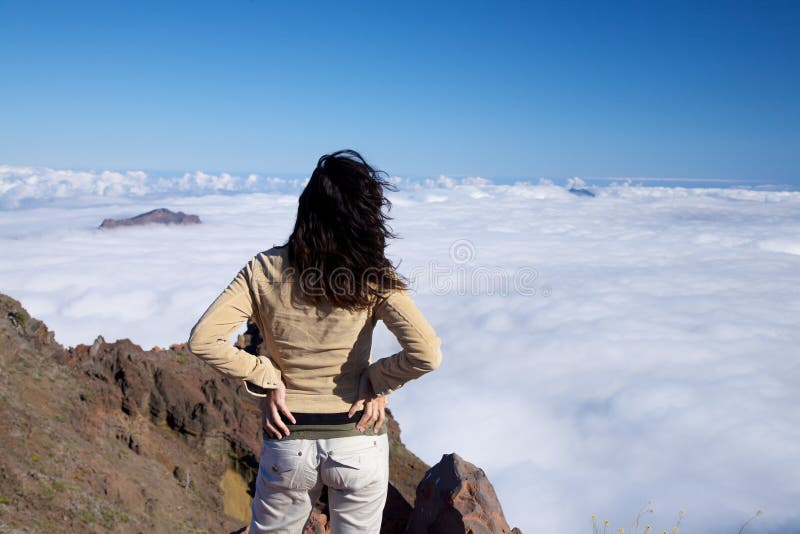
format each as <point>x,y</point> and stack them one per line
<point>277,251</point>
<point>394,289</point>
<point>270,263</point>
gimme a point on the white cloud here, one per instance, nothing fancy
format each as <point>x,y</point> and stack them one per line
<point>787,246</point>
<point>31,186</point>
<point>656,358</point>
<point>576,183</point>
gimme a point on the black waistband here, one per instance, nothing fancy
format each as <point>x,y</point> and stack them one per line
<point>338,418</point>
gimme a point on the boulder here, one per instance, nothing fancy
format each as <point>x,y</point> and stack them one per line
<point>456,496</point>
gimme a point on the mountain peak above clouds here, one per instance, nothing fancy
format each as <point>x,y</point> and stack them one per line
<point>156,216</point>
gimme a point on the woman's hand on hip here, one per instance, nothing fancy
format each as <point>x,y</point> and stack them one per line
<point>374,407</point>
<point>271,407</point>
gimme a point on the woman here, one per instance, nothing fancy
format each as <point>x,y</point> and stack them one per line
<point>316,300</point>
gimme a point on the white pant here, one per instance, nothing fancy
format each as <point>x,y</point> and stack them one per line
<point>291,475</point>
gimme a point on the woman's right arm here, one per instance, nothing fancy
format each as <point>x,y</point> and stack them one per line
<point>421,347</point>
<point>210,338</point>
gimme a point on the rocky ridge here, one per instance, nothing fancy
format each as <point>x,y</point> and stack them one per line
<point>109,437</point>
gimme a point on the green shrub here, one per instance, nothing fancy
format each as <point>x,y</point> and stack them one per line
<point>87,517</point>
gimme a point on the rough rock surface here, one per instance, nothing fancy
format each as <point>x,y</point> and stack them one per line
<point>456,497</point>
<point>111,437</point>
<point>157,216</point>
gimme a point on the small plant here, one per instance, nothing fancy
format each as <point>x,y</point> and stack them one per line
<point>4,500</point>
<point>110,517</point>
<point>48,492</point>
<point>35,457</point>
<point>598,528</point>
<point>87,517</point>
<point>646,509</point>
<point>18,318</point>
<point>43,525</point>
<point>758,513</point>
<point>596,525</point>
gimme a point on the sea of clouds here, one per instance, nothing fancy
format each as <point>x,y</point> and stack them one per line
<point>598,352</point>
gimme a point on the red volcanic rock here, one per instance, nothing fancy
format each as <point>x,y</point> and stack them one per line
<point>157,216</point>
<point>317,523</point>
<point>111,438</point>
<point>110,435</point>
<point>138,440</point>
<point>455,496</point>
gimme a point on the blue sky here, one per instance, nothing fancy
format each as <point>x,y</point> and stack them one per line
<point>705,90</point>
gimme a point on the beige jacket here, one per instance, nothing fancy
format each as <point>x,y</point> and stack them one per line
<point>319,352</point>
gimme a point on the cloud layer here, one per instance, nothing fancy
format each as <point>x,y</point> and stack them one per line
<point>28,186</point>
<point>598,352</point>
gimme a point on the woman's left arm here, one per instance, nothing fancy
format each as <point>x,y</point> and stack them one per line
<point>210,338</point>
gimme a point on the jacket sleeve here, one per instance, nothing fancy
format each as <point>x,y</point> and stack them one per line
<point>421,348</point>
<point>210,338</point>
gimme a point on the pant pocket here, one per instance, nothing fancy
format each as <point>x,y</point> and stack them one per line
<point>283,463</point>
<point>352,466</point>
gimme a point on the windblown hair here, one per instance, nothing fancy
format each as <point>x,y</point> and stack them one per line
<point>338,244</point>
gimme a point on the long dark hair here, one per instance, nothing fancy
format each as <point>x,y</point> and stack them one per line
<point>339,239</point>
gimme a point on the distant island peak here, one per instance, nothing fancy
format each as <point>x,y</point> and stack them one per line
<point>156,216</point>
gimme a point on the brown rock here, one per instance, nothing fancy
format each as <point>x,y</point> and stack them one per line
<point>317,523</point>
<point>455,496</point>
<point>157,216</point>
<point>119,439</point>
